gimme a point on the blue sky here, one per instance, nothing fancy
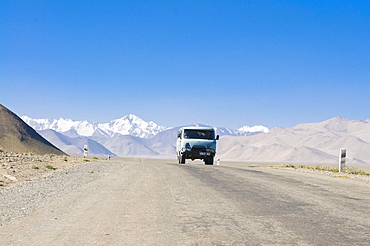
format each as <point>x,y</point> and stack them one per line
<point>224,63</point>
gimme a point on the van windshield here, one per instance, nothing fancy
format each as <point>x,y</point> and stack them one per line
<point>199,134</point>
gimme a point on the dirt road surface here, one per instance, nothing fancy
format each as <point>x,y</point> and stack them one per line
<point>159,202</point>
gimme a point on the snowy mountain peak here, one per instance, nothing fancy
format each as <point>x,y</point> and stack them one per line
<point>134,126</point>
<point>127,125</point>
<point>130,118</point>
<point>253,129</point>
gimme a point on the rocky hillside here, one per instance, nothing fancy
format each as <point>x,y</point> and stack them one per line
<point>17,136</point>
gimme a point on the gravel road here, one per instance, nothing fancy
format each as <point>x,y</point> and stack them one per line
<point>158,202</point>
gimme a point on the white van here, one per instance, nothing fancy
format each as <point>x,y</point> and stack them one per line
<point>196,143</point>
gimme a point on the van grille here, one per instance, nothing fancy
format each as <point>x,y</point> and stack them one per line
<point>198,148</point>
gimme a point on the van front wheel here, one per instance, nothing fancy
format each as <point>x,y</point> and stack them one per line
<point>182,159</point>
<point>208,161</point>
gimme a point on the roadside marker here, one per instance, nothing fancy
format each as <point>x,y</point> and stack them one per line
<point>85,151</point>
<point>342,159</point>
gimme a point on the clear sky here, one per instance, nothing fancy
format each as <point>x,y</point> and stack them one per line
<point>220,62</point>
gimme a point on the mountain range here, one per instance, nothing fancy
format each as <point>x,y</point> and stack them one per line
<point>128,125</point>
<point>126,136</point>
<point>131,136</point>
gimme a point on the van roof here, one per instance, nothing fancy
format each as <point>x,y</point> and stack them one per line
<point>197,128</point>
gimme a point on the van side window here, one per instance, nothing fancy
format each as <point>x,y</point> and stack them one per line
<point>179,134</point>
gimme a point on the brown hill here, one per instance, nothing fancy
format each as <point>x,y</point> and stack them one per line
<point>17,136</point>
<point>306,143</point>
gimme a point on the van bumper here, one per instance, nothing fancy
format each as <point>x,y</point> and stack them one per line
<point>197,155</point>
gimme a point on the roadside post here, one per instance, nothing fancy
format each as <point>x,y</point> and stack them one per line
<point>342,159</point>
<point>85,151</point>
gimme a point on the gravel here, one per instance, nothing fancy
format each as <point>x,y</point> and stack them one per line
<point>20,199</point>
<point>363,178</point>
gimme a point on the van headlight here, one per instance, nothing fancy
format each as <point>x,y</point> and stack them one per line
<point>187,145</point>
<point>210,150</point>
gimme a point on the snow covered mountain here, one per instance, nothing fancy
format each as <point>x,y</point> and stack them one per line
<point>132,125</point>
<point>242,131</point>
<point>253,129</point>
<point>127,125</point>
